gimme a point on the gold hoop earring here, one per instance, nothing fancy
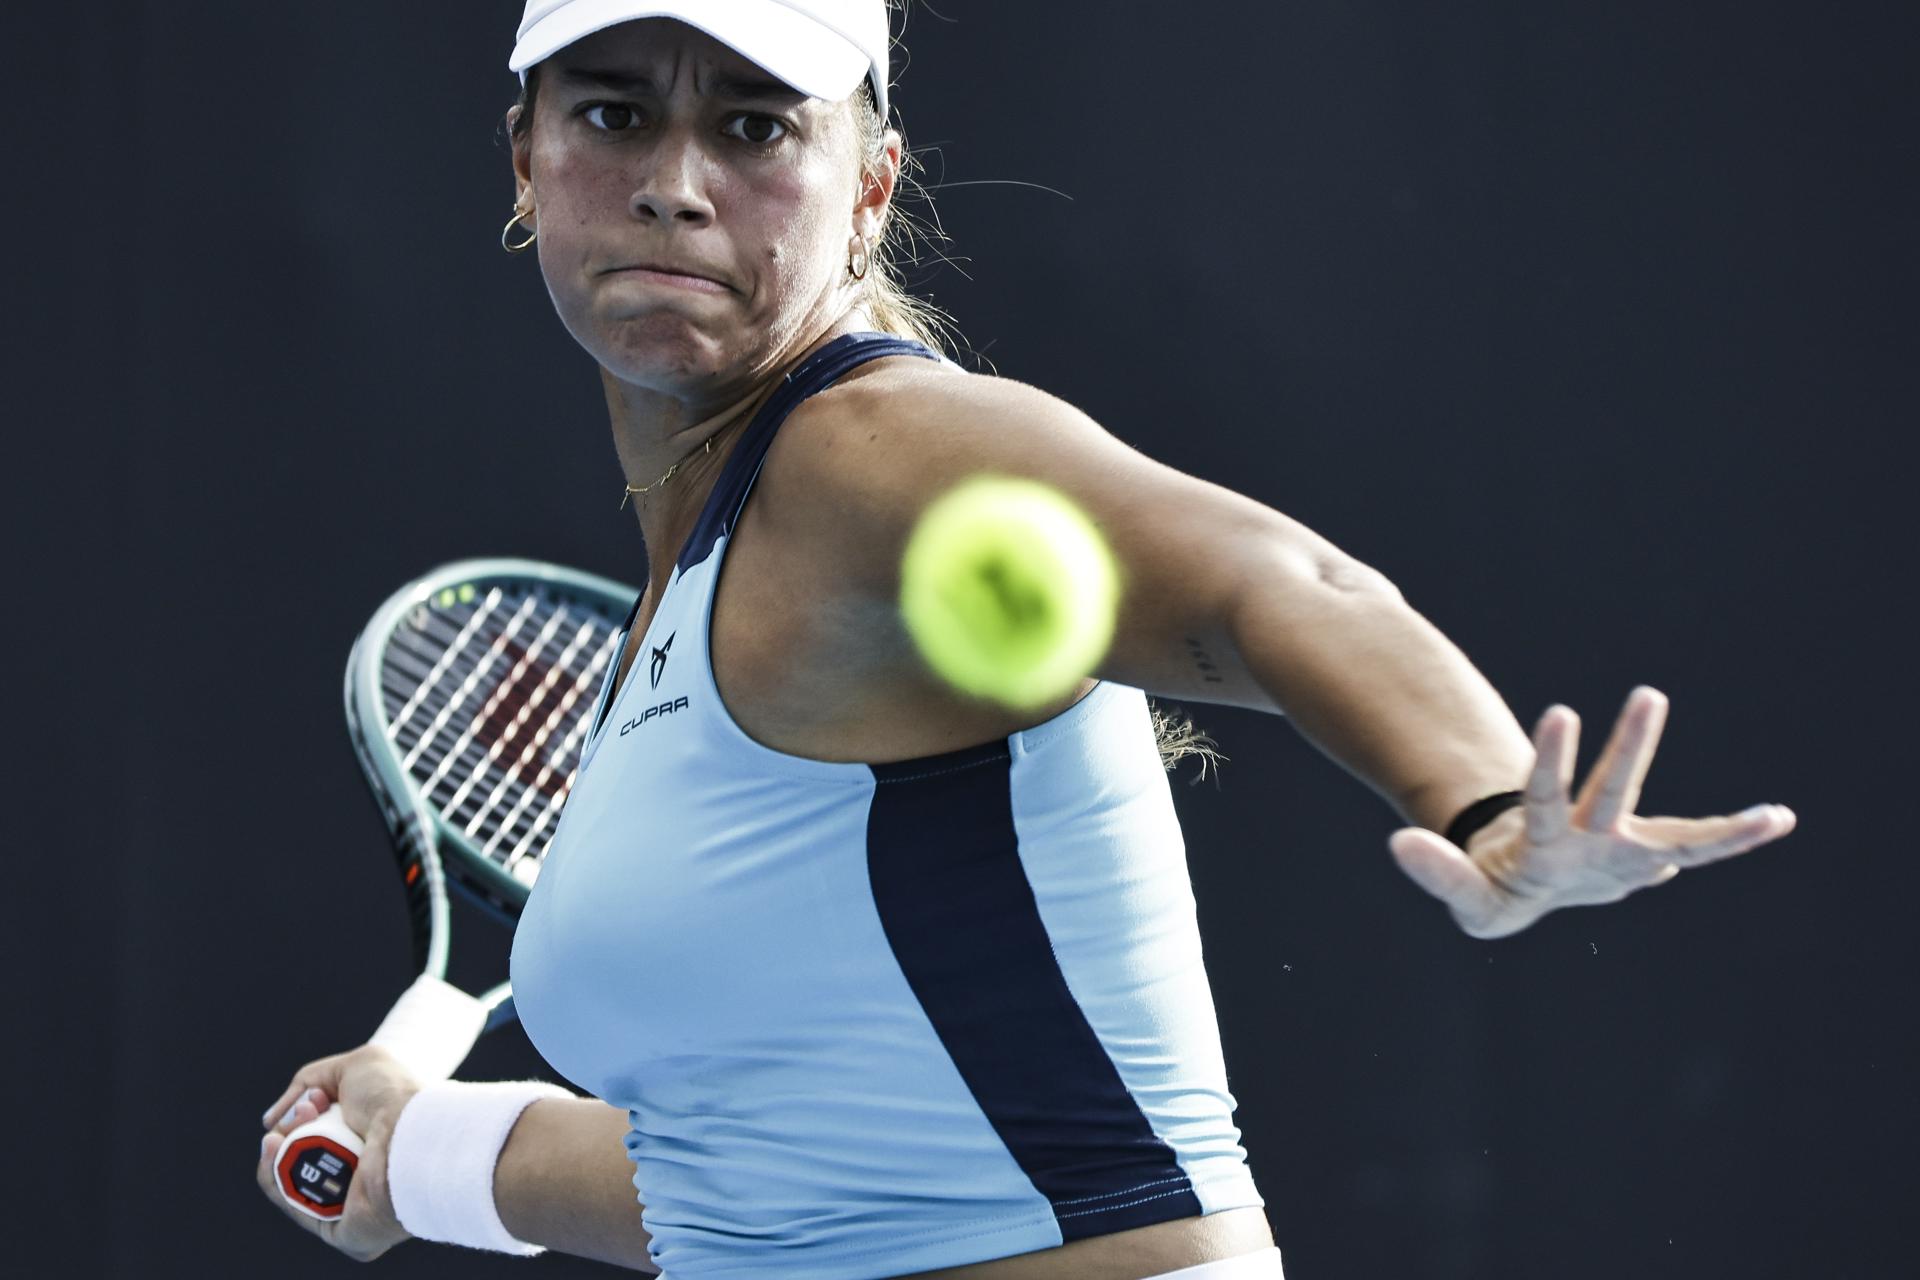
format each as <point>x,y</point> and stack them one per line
<point>524,244</point>
<point>860,255</point>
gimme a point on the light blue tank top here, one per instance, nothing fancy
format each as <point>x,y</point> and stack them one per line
<point>868,1020</point>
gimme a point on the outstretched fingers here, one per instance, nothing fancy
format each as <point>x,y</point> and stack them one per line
<point>1613,787</point>
<point>1694,842</point>
<point>1556,739</point>
<point>1437,866</point>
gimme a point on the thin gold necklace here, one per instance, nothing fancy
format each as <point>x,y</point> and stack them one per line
<point>642,488</point>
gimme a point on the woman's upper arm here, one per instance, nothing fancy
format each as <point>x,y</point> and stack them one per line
<point>868,457</point>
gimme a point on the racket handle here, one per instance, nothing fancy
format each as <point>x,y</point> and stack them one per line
<point>430,1029</point>
<point>316,1165</point>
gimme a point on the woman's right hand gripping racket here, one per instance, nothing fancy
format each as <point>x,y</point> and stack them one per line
<point>469,695</point>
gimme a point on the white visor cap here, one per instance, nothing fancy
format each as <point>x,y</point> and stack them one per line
<point>823,48</point>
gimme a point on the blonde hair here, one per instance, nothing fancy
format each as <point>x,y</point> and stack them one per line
<point>893,308</point>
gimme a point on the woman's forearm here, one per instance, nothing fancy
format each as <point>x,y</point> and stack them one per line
<point>564,1181</point>
<point>1376,686</point>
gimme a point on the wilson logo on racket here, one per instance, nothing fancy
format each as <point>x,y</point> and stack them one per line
<point>660,660</point>
<point>509,720</point>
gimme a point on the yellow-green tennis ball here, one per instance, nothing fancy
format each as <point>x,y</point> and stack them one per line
<point>1009,590</point>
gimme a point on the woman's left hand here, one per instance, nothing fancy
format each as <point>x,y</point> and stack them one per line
<point>1548,853</point>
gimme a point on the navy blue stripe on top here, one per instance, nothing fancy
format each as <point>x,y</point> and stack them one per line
<point>817,372</point>
<point>961,917</point>
<point>722,509</point>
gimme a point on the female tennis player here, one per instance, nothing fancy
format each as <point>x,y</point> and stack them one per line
<point>867,978</point>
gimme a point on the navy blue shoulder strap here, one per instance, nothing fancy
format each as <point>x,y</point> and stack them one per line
<point>818,371</point>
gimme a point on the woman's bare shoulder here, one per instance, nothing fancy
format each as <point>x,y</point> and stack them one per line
<point>856,462</point>
<point>913,426</point>
<point>868,392</point>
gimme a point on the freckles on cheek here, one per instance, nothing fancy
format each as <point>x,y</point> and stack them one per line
<point>588,183</point>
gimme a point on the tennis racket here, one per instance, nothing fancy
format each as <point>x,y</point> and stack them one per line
<point>469,696</point>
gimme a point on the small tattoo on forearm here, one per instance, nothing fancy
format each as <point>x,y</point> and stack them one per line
<point>1208,669</point>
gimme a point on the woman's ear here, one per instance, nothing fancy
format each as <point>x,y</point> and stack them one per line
<point>876,188</point>
<point>522,148</point>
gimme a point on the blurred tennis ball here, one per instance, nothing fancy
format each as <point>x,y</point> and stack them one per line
<point>1009,590</point>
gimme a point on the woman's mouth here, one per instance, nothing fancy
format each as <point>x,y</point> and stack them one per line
<point>675,279</point>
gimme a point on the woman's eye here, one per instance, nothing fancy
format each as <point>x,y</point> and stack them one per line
<point>757,127</point>
<point>749,127</point>
<point>623,114</point>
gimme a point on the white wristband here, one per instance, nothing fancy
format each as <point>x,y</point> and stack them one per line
<point>441,1156</point>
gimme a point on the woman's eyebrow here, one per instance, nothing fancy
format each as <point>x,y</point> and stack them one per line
<point>640,82</point>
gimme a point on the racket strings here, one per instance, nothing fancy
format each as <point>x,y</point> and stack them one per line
<point>488,703</point>
<point>464,692</point>
<point>499,724</point>
<point>455,731</point>
<point>549,787</point>
<point>518,786</point>
<point>549,781</point>
<point>462,705</point>
<point>452,651</point>
<point>505,709</point>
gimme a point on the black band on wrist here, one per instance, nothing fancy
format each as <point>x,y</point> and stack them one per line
<point>1479,814</point>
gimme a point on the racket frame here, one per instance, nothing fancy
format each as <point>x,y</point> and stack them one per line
<point>433,1025</point>
<point>446,856</point>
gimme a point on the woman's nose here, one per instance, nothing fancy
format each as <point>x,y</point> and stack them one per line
<point>673,189</point>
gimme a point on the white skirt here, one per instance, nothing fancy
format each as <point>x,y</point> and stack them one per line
<point>1264,1265</point>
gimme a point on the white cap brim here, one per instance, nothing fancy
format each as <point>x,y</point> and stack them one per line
<point>793,46</point>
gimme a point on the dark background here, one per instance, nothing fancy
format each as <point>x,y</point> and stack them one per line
<point>1590,325</point>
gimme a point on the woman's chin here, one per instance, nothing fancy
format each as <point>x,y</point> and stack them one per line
<point>662,351</point>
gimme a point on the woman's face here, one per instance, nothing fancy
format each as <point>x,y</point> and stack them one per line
<point>697,161</point>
